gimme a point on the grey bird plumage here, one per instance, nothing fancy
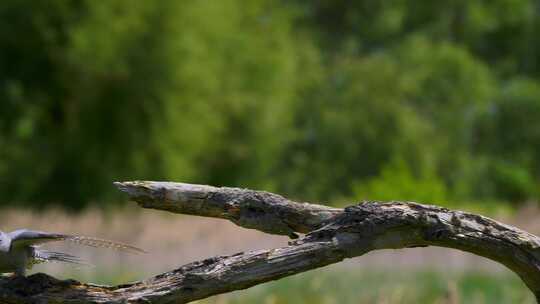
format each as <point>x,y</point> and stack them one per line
<point>19,249</point>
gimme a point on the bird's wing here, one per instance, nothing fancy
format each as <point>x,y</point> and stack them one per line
<point>24,237</point>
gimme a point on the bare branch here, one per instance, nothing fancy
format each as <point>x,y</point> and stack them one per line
<point>333,235</point>
<point>264,211</point>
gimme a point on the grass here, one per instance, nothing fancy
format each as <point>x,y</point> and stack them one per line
<point>320,287</point>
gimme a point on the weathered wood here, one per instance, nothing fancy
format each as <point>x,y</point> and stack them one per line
<point>332,235</point>
<point>264,211</point>
<point>190,282</point>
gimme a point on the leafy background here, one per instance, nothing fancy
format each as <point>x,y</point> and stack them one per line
<point>326,100</point>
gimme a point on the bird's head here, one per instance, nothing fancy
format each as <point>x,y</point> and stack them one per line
<point>5,242</point>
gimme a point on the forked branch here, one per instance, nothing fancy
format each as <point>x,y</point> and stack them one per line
<point>331,236</point>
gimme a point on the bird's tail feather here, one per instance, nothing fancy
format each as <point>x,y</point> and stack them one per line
<point>101,243</point>
<point>43,256</point>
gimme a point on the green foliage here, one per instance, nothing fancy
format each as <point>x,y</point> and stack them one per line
<point>397,182</point>
<point>513,183</point>
<point>509,136</point>
<point>352,99</point>
<point>320,100</point>
<point>150,91</point>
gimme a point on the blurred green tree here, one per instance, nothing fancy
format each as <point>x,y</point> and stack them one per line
<point>100,91</point>
<point>320,100</point>
<point>509,136</point>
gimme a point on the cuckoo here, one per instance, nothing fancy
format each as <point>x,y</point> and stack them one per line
<point>19,249</point>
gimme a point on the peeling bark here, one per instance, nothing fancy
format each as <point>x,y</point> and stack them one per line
<point>332,235</point>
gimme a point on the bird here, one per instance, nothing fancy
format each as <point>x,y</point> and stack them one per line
<point>19,249</point>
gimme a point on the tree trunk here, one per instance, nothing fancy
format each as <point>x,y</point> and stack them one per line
<point>332,235</point>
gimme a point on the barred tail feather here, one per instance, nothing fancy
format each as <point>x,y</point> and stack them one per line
<point>101,243</point>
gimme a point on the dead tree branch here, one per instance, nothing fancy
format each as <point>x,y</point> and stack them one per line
<point>332,235</point>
